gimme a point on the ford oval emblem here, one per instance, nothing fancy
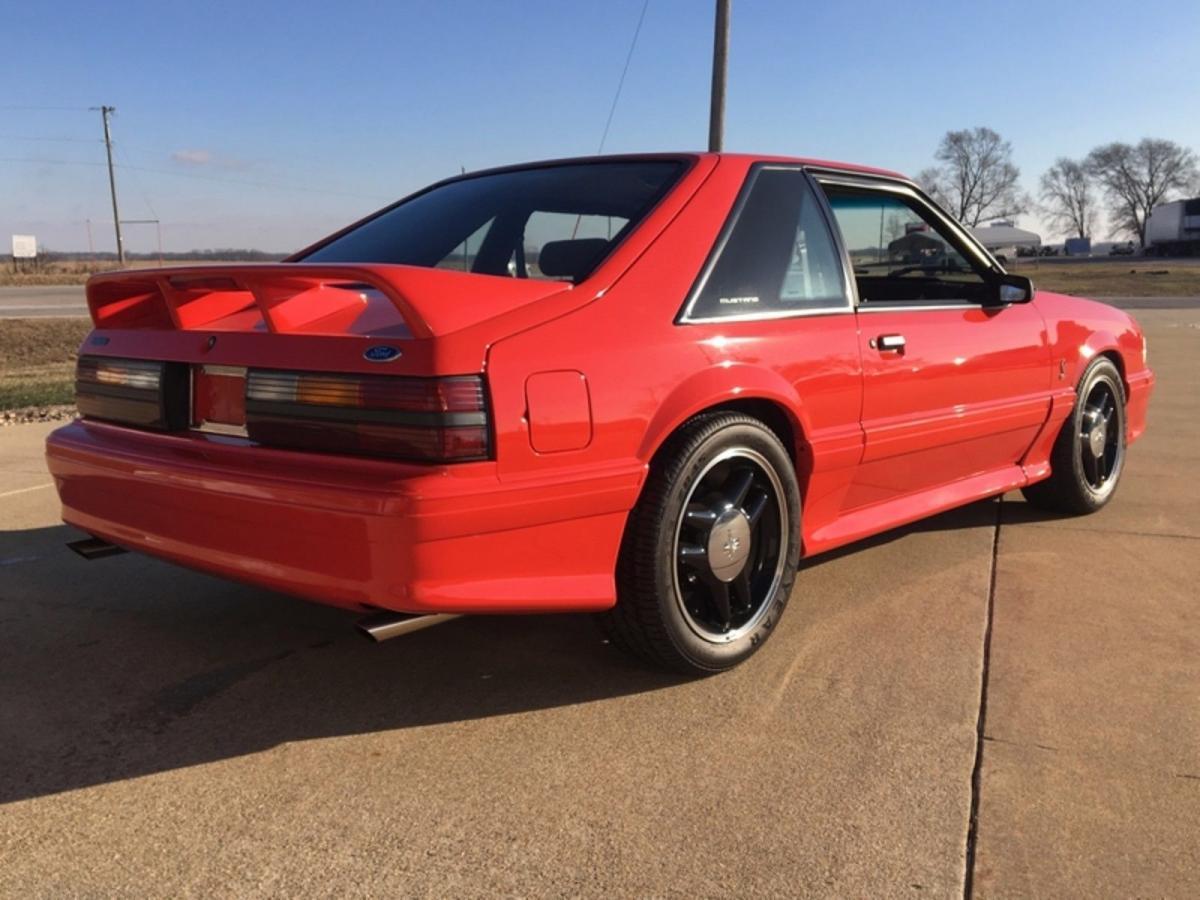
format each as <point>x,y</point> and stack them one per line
<point>380,353</point>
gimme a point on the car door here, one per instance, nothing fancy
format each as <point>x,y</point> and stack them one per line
<point>955,386</point>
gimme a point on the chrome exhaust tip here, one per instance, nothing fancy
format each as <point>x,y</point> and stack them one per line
<point>387,625</point>
<point>94,548</point>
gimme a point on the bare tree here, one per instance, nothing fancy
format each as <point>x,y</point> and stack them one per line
<point>1137,178</point>
<point>976,178</point>
<point>1068,200</point>
<point>893,226</point>
<point>931,180</point>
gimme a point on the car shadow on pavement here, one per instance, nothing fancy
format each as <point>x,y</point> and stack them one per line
<point>128,666</point>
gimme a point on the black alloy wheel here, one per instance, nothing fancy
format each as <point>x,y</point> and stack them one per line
<point>710,552</point>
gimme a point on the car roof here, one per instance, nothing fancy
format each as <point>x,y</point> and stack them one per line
<point>833,165</point>
<point>745,159</point>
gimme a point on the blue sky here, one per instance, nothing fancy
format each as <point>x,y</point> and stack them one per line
<point>269,124</point>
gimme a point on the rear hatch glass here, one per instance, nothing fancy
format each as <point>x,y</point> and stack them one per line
<point>554,222</point>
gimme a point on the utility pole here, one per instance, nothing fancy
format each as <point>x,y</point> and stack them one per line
<point>105,112</point>
<point>716,116</point>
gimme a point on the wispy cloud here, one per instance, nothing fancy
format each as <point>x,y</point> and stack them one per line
<point>193,157</point>
<point>199,157</point>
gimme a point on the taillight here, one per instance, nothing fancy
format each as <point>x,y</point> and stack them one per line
<point>422,419</point>
<point>135,392</point>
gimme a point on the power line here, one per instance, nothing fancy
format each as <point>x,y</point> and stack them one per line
<point>262,184</point>
<point>140,188</point>
<point>196,176</point>
<point>621,82</point>
<point>191,175</point>
<point>48,162</point>
<point>46,108</point>
<point>60,140</point>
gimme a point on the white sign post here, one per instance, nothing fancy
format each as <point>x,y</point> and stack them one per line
<point>24,246</point>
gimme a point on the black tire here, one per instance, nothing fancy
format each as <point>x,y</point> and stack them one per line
<point>1081,480</point>
<point>724,481</point>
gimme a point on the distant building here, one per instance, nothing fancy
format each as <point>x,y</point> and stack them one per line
<point>916,248</point>
<point>1003,239</point>
<point>1173,229</point>
<point>1077,246</point>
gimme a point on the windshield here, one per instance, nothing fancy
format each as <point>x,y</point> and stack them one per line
<point>551,222</point>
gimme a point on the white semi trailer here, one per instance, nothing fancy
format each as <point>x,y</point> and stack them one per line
<point>1173,229</point>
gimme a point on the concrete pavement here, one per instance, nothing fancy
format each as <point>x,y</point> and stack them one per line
<point>164,732</point>
<point>1091,759</point>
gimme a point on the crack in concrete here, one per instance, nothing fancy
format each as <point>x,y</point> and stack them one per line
<point>1149,534</point>
<point>1090,757</point>
<point>981,722</point>
<point>998,740</point>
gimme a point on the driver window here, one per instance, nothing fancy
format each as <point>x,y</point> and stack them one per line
<point>898,254</point>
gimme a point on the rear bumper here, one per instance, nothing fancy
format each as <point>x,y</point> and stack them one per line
<point>348,532</point>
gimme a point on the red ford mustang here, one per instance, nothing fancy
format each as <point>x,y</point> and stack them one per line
<point>643,386</point>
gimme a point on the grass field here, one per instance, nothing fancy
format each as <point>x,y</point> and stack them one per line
<point>1140,278</point>
<point>37,361</point>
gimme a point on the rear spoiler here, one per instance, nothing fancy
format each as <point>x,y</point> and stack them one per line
<point>306,298</point>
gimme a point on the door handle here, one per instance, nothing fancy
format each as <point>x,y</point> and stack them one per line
<point>893,342</point>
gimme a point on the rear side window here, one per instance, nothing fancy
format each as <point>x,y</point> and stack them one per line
<point>777,256</point>
<point>557,222</point>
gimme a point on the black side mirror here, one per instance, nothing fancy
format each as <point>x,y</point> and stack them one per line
<point>1007,289</point>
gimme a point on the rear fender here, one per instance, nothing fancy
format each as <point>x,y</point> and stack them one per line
<point>715,386</point>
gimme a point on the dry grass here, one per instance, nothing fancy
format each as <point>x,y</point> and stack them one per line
<point>1129,278</point>
<point>37,361</point>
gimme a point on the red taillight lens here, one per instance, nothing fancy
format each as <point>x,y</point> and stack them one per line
<point>219,399</point>
<point>423,419</point>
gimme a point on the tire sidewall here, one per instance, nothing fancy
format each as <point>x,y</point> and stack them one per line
<point>1100,370</point>
<point>702,653</point>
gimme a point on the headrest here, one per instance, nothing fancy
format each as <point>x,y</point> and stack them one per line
<point>572,259</point>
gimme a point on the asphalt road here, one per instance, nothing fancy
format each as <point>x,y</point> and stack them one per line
<point>165,733</point>
<point>36,302</point>
<point>1178,262</point>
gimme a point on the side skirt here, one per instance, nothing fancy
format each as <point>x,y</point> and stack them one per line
<point>883,516</point>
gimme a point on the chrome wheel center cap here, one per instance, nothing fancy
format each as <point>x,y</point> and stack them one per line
<point>729,544</point>
<point>1097,438</point>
